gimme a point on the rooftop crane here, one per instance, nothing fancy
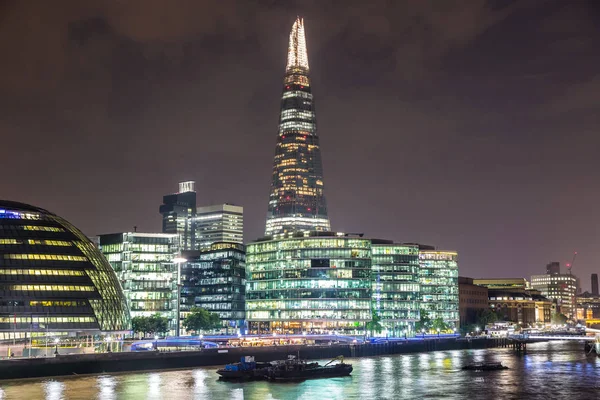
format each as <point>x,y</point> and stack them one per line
<point>570,265</point>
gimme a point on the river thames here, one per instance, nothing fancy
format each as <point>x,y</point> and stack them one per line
<point>552,370</point>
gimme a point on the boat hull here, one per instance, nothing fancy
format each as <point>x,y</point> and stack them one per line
<point>338,370</point>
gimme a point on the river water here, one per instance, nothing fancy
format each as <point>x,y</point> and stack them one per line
<point>553,370</point>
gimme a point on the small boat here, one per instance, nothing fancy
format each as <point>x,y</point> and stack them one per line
<point>482,366</point>
<point>294,369</point>
<point>246,369</point>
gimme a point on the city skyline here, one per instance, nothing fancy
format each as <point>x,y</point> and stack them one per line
<point>479,139</point>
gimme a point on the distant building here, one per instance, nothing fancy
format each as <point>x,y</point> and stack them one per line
<point>553,268</point>
<point>588,306</point>
<point>595,285</point>
<point>144,264</point>
<point>178,211</point>
<point>215,279</point>
<point>396,288</point>
<point>525,307</point>
<point>502,283</point>
<point>219,223</point>
<point>559,287</point>
<point>473,299</point>
<point>438,276</point>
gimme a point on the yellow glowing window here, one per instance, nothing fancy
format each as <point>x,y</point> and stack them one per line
<point>10,241</point>
<point>50,242</point>
<point>42,228</point>
<point>55,257</point>
<point>60,288</point>
<point>54,272</point>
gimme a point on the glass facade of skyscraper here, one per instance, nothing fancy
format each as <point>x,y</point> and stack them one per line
<point>396,288</point>
<point>53,280</point>
<point>179,211</point>
<point>438,276</point>
<point>144,264</point>
<point>309,283</point>
<point>297,201</point>
<point>215,279</point>
<point>218,224</point>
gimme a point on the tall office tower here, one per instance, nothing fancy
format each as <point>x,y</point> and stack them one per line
<point>595,284</point>
<point>438,275</point>
<point>178,211</point>
<point>553,268</point>
<point>219,223</point>
<point>144,264</point>
<point>297,202</point>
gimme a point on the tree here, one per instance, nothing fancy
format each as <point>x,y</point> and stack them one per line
<point>158,324</point>
<point>200,319</point>
<point>374,325</point>
<point>486,317</point>
<point>140,325</point>
<point>424,323</point>
<point>439,325</point>
<point>559,319</point>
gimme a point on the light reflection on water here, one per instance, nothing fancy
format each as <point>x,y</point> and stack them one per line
<point>548,370</point>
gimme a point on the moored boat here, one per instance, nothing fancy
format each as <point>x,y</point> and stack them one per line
<point>485,366</point>
<point>294,369</point>
<point>246,369</point>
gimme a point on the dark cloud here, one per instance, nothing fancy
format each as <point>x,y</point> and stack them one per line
<point>468,124</point>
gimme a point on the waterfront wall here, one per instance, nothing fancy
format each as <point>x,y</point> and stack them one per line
<point>77,364</point>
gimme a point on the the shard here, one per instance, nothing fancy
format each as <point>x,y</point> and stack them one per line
<point>297,202</point>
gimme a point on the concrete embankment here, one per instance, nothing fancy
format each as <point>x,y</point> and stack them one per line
<point>77,364</point>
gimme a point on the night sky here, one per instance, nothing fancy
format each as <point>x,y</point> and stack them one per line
<point>470,125</point>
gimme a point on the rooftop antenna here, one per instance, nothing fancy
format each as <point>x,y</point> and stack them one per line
<point>135,228</point>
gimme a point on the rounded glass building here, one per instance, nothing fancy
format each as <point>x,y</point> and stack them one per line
<point>53,279</point>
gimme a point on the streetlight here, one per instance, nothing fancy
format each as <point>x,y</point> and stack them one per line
<point>108,339</point>
<point>438,330</point>
<point>178,260</point>
<point>156,342</point>
<point>56,346</point>
<point>404,333</point>
<point>477,330</point>
<point>423,330</point>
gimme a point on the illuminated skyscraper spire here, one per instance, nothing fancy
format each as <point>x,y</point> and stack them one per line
<point>296,202</point>
<point>297,56</point>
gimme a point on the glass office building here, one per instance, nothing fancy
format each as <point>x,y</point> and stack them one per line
<point>296,201</point>
<point>144,264</point>
<point>179,211</point>
<point>222,223</point>
<point>309,282</point>
<point>53,280</point>
<point>561,288</point>
<point>215,279</point>
<point>438,276</point>
<point>396,288</point>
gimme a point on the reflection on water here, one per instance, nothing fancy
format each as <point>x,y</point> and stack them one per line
<point>548,370</point>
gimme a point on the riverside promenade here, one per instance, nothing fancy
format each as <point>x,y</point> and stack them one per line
<point>78,364</point>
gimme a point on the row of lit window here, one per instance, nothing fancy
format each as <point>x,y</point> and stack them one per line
<point>55,257</point>
<point>296,93</point>
<point>57,303</point>
<point>53,272</point>
<point>58,288</point>
<point>309,304</point>
<point>42,228</point>
<point>37,242</point>
<point>28,320</point>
